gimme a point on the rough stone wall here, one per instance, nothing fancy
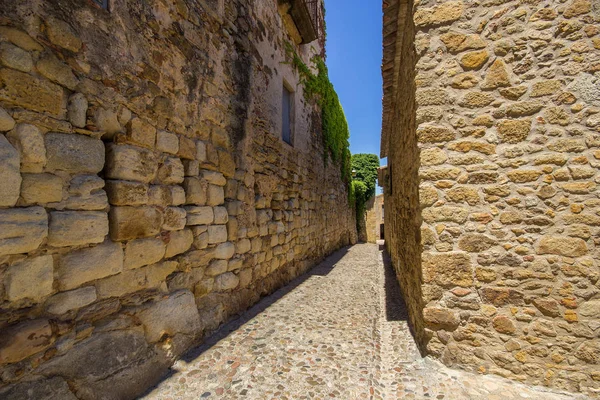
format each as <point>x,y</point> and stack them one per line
<point>147,196</point>
<point>508,116</point>
<point>374,218</point>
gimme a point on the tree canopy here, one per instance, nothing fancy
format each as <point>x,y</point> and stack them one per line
<point>365,167</point>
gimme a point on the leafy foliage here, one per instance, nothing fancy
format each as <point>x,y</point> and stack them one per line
<point>365,167</point>
<point>335,127</point>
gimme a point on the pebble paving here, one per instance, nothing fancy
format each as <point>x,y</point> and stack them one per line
<point>337,332</point>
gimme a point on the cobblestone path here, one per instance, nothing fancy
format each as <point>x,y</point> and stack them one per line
<point>338,332</point>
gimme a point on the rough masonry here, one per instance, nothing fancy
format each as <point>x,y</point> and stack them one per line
<point>147,195</point>
<point>492,133</point>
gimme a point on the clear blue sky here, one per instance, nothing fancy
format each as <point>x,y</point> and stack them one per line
<point>354,50</point>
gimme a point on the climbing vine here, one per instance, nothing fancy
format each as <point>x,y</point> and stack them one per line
<point>335,127</point>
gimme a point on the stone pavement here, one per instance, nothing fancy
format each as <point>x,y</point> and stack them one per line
<point>337,332</point>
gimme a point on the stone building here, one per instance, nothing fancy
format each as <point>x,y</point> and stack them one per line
<point>492,133</point>
<point>374,219</point>
<point>161,171</point>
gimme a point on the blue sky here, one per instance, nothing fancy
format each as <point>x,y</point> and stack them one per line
<point>354,50</point>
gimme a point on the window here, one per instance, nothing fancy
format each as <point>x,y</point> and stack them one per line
<point>287,115</point>
<point>102,3</point>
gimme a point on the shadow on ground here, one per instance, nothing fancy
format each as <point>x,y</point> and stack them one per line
<point>395,307</point>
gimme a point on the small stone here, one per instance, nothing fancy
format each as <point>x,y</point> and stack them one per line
<point>30,279</point>
<point>514,131</point>
<point>41,189</point>
<point>562,245</point>
<point>445,213</point>
<point>127,193</point>
<point>504,325</point>
<point>28,140</point>
<point>35,94</point>
<point>25,339</point>
<point>87,265</point>
<point>474,60</point>
<point>57,72</point>
<point>547,306</point>
<point>433,156</point>
<point>200,215</point>
<point>142,133</point>
<point>200,151</point>
<point>127,223</point>
<point>15,58</point>
<point>496,76</point>
<point>545,88</point>
<point>577,7</point>
<point>221,215</point>
<point>167,142</point>
<point>61,34</point>
<point>130,163</point>
<point>513,93</point>
<point>523,175</point>
<point>141,252</point>
<point>76,228</point>
<point>216,267</point>
<point>448,269</point>
<point>20,38</point>
<point>77,110</point>
<point>75,154</point>
<point>171,171</point>
<point>456,42</point>
<point>6,121</point>
<point>64,302</point>
<point>10,173</point>
<point>22,229</point>
<point>187,148</point>
<point>440,318</point>
<point>224,251</point>
<point>476,100</point>
<point>215,195</point>
<point>439,15</point>
<point>179,242</point>
<point>434,134</point>
<point>217,234</point>
<point>524,108</point>
<point>195,191</point>
<point>557,115</point>
<point>475,242</point>
<point>465,80</point>
<point>107,122</point>
<point>174,219</point>
<point>214,178</point>
<point>226,281</point>
<point>500,296</point>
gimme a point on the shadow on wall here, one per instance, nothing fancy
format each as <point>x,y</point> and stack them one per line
<point>322,269</point>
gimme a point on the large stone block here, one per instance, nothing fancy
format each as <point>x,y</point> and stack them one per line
<point>127,193</point>
<point>500,296</point>
<point>141,132</point>
<point>448,269</point>
<point>128,223</point>
<point>115,365</point>
<point>24,90</point>
<point>64,302</point>
<point>440,318</point>
<point>134,280</point>
<point>41,189</point>
<point>217,234</point>
<point>28,140</point>
<point>87,265</point>
<point>10,173</point>
<point>130,163</point>
<point>199,215</point>
<point>58,72</point>
<point>174,219</point>
<point>445,213</point>
<point>76,154</point>
<point>226,281</point>
<point>25,339</point>
<point>22,229</point>
<point>195,191</point>
<point>215,195</point>
<point>142,252</point>
<point>6,121</point>
<point>176,314</point>
<point>439,15</point>
<point>76,228</point>
<point>30,279</point>
<point>179,242</point>
<point>45,389</point>
<point>562,245</point>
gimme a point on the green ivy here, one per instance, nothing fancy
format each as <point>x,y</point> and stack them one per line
<point>317,86</point>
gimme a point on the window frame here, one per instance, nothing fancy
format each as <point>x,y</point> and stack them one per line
<point>286,87</point>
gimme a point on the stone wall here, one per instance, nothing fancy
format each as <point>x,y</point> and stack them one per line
<point>374,218</point>
<point>147,196</point>
<point>508,125</point>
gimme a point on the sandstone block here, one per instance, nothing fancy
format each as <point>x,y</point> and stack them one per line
<point>224,251</point>
<point>567,145</point>
<point>439,173</point>
<point>57,72</point>
<point>440,318</point>
<point>41,189</point>
<point>134,280</point>
<point>130,163</point>
<point>20,38</point>
<point>433,156</point>
<point>174,219</point>
<point>15,58</point>
<point>127,223</point>
<point>25,339</point>
<point>439,15</point>
<point>503,324</point>
<point>432,97</point>
<point>214,178</point>
<point>243,246</point>
<point>10,173</point>
<point>445,213</point>
<point>500,296</point>
<point>465,146</point>
<point>30,279</point>
<point>589,352</point>
<point>142,133</point>
<point>35,94</point>
<point>44,389</point>
<point>547,306</point>
<point>465,80</point>
<point>127,193</point>
<point>22,229</point>
<point>590,309</point>
<point>195,191</point>
<point>577,7</point>
<point>496,76</point>
<point>435,134</point>
<point>463,194</point>
<point>476,100</point>
<point>177,195</point>
<point>75,154</point>
<point>107,121</point>
<point>199,215</point>
<point>562,245</point>
<point>226,281</point>
<point>475,242</point>
<point>524,108</point>
<point>448,269</point>
<point>6,121</point>
<point>513,93</point>
<point>216,267</point>
<point>221,215</point>
<point>524,175</point>
<point>77,110</point>
<point>200,151</point>
<point>167,142</point>
<point>64,302</point>
<point>514,131</point>
<point>86,265</point>
<point>226,163</point>
<point>187,148</point>
<point>456,42</point>
<point>176,314</point>
<point>142,252</point>
<point>62,35</point>
<point>545,88</point>
<point>474,59</point>
<point>28,140</point>
<point>215,195</point>
<point>171,171</point>
<point>217,234</point>
<point>179,242</point>
<point>76,228</point>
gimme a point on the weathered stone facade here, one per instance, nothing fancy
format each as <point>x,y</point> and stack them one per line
<point>492,133</point>
<point>147,195</point>
<point>374,218</point>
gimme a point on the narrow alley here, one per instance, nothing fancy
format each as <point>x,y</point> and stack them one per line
<point>338,332</point>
